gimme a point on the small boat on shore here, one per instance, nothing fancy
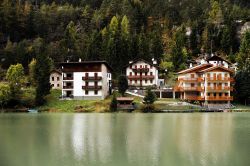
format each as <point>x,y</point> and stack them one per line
<point>32,111</point>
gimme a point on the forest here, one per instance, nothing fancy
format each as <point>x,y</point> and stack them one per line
<point>119,30</point>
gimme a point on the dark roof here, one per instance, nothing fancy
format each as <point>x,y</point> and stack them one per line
<point>56,71</point>
<point>139,59</point>
<point>124,98</point>
<point>89,62</point>
<point>218,58</point>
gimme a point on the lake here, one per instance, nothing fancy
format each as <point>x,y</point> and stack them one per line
<point>123,139</point>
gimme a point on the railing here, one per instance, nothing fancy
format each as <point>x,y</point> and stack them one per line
<point>188,79</point>
<point>220,79</point>
<point>97,78</point>
<point>141,77</point>
<point>198,98</point>
<point>193,88</point>
<point>67,78</point>
<point>220,98</point>
<point>140,69</point>
<point>67,87</point>
<point>220,88</point>
<point>92,87</point>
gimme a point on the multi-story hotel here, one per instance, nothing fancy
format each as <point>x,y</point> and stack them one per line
<point>86,80</point>
<point>141,73</point>
<point>210,83</point>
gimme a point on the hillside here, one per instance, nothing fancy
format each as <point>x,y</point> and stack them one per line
<point>118,31</point>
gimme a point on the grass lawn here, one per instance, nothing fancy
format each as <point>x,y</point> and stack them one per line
<point>55,105</point>
<point>241,107</point>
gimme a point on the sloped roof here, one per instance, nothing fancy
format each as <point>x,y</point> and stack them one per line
<point>217,67</point>
<point>218,58</point>
<point>88,62</point>
<point>56,71</point>
<point>196,68</point>
<point>139,59</point>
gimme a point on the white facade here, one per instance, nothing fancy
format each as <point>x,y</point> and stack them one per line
<point>56,80</point>
<point>87,85</point>
<point>142,74</point>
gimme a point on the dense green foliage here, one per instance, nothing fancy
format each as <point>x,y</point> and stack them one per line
<point>15,76</point>
<point>113,104</point>
<point>119,30</point>
<point>42,71</point>
<point>150,97</point>
<point>242,85</point>
<point>122,84</point>
<point>4,94</point>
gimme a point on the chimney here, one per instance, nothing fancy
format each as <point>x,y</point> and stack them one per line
<point>154,61</point>
<point>130,62</point>
<point>80,60</point>
<point>67,61</point>
<point>190,65</point>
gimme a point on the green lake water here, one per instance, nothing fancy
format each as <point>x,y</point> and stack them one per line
<point>207,139</point>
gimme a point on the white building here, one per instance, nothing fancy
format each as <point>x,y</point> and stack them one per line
<point>56,79</point>
<point>141,73</point>
<point>88,80</point>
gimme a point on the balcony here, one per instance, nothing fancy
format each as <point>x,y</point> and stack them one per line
<point>193,88</point>
<point>94,87</point>
<point>140,70</point>
<point>220,88</point>
<point>195,98</point>
<point>68,78</point>
<point>68,87</point>
<point>220,79</point>
<point>187,79</point>
<point>141,77</point>
<point>220,98</point>
<point>95,78</point>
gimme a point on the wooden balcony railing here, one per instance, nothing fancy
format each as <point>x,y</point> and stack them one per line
<point>141,77</point>
<point>68,87</point>
<point>220,79</point>
<point>95,78</point>
<point>92,87</point>
<point>220,88</point>
<point>220,98</point>
<point>193,88</point>
<point>67,78</point>
<point>187,79</point>
<point>195,98</point>
<point>140,69</point>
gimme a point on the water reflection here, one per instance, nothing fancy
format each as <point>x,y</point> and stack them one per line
<point>124,139</point>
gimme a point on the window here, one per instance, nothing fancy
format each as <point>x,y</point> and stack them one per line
<point>208,75</point>
<point>192,85</point>
<point>86,74</point>
<point>226,84</point>
<point>146,81</point>
<point>135,81</point>
<point>140,66</point>
<point>225,75</point>
<point>146,66</point>
<point>52,78</point>
<point>58,78</point>
<point>135,66</point>
<point>209,84</point>
<point>96,92</point>
<point>151,73</point>
<point>52,85</point>
<point>151,81</point>
<point>192,75</point>
<point>208,94</point>
<point>130,66</point>
<point>95,75</point>
<point>58,85</point>
<point>86,92</point>
<point>151,66</point>
<point>130,73</point>
<point>135,73</point>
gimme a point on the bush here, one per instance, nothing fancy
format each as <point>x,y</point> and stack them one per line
<point>113,104</point>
